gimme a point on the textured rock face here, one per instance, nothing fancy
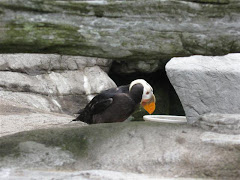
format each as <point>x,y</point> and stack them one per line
<point>223,123</point>
<point>125,30</point>
<point>7,174</point>
<point>51,147</point>
<point>16,117</point>
<point>126,67</point>
<point>206,84</point>
<point>137,147</point>
<point>52,82</point>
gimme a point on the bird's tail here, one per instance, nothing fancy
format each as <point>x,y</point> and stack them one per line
<point>74,120</point>
<point>84,116</point>
<point>78,119</point>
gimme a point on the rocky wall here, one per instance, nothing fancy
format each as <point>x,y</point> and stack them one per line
<point>53,82</point>
<point>154,30</point>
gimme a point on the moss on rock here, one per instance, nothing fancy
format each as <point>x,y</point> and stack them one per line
<point>41,35</point>
<point>126,30</point>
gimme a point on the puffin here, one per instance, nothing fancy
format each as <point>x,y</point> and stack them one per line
<point>117,104</point>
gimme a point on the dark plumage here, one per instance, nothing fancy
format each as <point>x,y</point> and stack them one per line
<point>112,105</point>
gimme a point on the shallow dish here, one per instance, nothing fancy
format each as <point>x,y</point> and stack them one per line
<point>166,119</point>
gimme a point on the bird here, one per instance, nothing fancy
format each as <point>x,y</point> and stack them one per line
<point>117,104</point>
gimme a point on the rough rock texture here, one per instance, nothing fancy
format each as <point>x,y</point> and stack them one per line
<point>127,67</point>
<point>138,147</point>
<point>9,174</point>
<point>206,84</point>
<point>125,30</point>
<point>52,82</point>
<point>223,123</point>
<point>221,139</point>
<point>15,117</point>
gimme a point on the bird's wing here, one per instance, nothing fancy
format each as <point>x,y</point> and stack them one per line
<point>96,106</point>
<point>99,103</point>
<point>103,100</point>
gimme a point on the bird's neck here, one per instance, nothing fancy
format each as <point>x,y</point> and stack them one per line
<point>136,93</point>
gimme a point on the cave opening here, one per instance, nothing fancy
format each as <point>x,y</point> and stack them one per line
<point>167,101</point>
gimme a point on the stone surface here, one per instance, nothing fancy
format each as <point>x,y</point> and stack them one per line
<point>206,84</point>
<point>123,30</point>
<point>36,64</point>
<point>15,117</point>
<point>221,139</point>
<point>36,155</point>
<point>8,174</point>
<point>222,123</point>
<point>51,147</point>
<point>127,67</point>
<point>53,82</point>
<point>164,150</point>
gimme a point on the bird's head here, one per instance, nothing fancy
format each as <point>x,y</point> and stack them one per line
<point>147,99</point>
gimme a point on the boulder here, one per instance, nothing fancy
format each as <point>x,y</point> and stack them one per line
<point>53,82</point>
<point>165,150</point>
<point>207,84</point>
<point>121,30</point>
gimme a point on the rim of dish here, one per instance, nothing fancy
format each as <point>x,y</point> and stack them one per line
<point>166,118</point>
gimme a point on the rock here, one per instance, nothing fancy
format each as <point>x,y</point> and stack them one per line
<point>206,84</point>
<point>221,139</point>
<point>36,64</point>
<point>53,82</point>
<point>36,155</point>
<point>158,149</point>
<point>127,67</point>
<point>121,30</point>
<point>7,174</point>
<point>222,123</point>
<point>15,117</point>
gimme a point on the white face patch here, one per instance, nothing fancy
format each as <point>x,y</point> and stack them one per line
<point>147,89</point>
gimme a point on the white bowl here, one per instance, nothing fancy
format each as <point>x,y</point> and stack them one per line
<point>166,119</point>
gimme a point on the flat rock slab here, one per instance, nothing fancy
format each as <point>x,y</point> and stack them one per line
<point>206,84</point>
<point>15,117</point>
<point>222,123</point>
<point>80,175</point>
<point>220,139</point>
<point>157,149</point>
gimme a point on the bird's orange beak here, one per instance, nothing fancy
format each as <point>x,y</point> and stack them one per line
<point>149,105</point>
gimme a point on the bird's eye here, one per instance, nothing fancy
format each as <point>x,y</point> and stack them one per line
<point>147,92</point>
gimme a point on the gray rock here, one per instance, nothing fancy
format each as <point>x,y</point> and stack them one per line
<point>125,67</point>
<point>53,82</point>
<point>222,123</point>
<point>221,139</point>
<point>37,155</point>
<point>136,30</point>
<point>158,149</point>
<point>16,117</point>
<point>35,64</point>
<point>206,84</point>
<point>10,174</point>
